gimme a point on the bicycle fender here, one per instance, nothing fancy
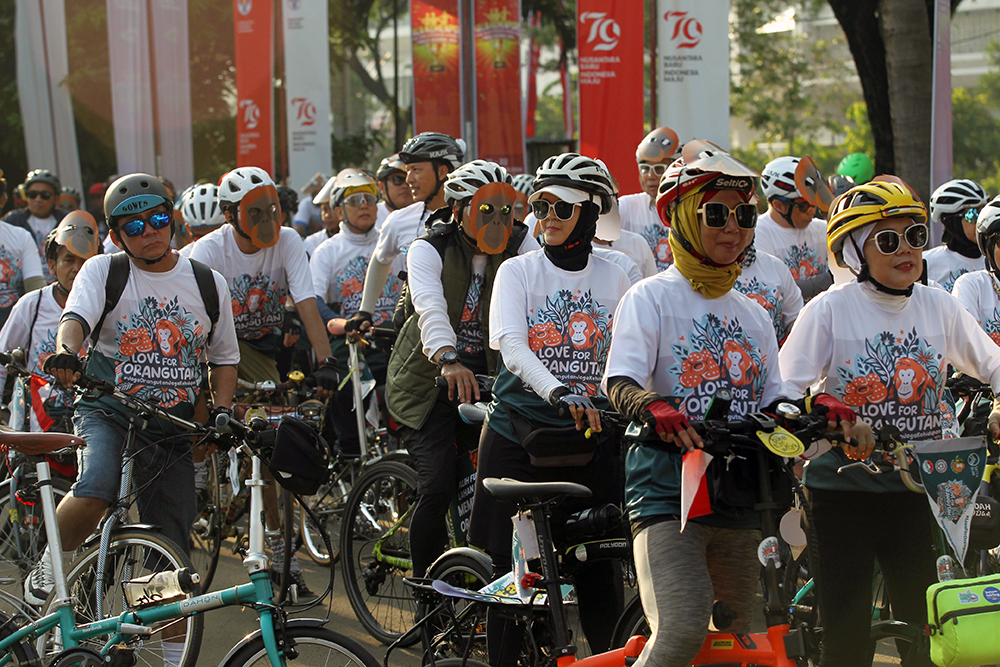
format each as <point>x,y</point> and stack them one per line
<point>476,555</point>
<point>400,455</point>
<point>96,538</point>
<point>290,623</point>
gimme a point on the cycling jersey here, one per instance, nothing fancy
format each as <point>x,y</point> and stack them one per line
<point>979,292</point>
<point>19,261</point>
<point>944,266</point>
<point>802,250</point>
<point>769,282</point>
<point>638,213</point>
<point>886,357</point>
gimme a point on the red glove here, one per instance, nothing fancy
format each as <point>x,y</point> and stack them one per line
<point>836,411</point>
<point>668,421</point>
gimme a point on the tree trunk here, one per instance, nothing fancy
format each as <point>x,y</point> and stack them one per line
<point>909,56</point>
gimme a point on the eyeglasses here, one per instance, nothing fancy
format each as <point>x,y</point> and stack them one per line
<point>397,179</point>
<point>800,204</point>
<point>657,169</point>
<point>35,194</point>
<point>971,214</point>
<point>360,198</point>
<point>563,210</point>
<point>134,228</point>
<point>716,215</point>
<point>887,241</point>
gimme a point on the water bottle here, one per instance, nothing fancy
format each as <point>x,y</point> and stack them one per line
<point>160,586</point>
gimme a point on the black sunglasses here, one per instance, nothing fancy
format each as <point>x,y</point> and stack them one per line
<point>136,227</point>
<point>397,179</point>
<point>562,209</point>
<point>35,194</point>
<point>887,241</point>
<point>800,204</point>
<point>716,214</point>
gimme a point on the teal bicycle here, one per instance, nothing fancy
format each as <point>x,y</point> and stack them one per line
<point>152,604</point>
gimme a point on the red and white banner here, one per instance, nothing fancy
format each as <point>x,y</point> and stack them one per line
<point>254,21</point>
<point>307,105</point>
<point>692,45</point>
<point>437,81</point>
<point>131,92</point>
<point>609,40</point>
<point>534,53</point>
<point>173,90</point>
<point>500,136</point>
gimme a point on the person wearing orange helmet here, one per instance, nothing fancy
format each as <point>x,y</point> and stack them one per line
<point>654,154</point>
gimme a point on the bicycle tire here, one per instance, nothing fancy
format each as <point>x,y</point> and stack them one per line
<point>384,605</point>
<point>459,662</point>
<point>328,504</point>
<point>632,622</point>
<point>461,571</point>
<point>31,531</point>
<point>145,552</point>
<point>309,643</point>
<point>22,653</point>
<point>206,533</point>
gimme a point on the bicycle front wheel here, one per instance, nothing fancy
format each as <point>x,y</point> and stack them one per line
<point>206,532</point>
<point>313,646</point>
<point>375,549</point>
<point>132,553</point>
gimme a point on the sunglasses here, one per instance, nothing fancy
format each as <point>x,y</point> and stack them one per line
<point>801,204</point>
<point>397,179</point>
<point>657,169</point>
<point>716,215</point>
<point>359,199</point>
<point>563,210</point>
<point>887,241</point>
<point>134,228</point>
<point>971,214</point>
<point>35,194</point>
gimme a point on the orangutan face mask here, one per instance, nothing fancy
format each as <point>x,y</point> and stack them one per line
<point>259,216</point>
<point>491,217</point>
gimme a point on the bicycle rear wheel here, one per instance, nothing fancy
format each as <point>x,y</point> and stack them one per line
<point>132,553</point>
<point>461,571</point>
<point>313,646</point>
<point>375,549</point>
<point>206,532</point>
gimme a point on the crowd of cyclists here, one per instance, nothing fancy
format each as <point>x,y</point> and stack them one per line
<point>577,301</point>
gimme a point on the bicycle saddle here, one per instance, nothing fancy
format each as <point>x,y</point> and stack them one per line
<point>533,492</point>
<point>37,444</point>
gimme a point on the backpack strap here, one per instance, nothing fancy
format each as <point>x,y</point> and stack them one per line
<point>117,279</point>
<point>34,318</point>
<point>209,294</point>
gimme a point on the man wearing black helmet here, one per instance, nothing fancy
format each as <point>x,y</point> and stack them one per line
<point>391,178</point>
<point>150,314</point>
<point>429,158</point>
<point>41,188</point>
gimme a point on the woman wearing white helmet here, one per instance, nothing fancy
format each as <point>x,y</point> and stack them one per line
<point>979,291</point>
<point>550,318</point>
<point>955,205</point>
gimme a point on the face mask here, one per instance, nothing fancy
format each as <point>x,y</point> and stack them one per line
<point>78,232</point>
<point>260,217</point>
<point>491,217</point>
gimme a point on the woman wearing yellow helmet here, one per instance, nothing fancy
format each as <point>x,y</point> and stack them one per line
<point>882,345</point>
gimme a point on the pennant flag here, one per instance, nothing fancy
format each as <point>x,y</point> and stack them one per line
<point>694,489</point>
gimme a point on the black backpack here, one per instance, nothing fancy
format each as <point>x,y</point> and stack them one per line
<point>118,274</point>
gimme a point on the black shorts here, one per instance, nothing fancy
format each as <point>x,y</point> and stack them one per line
<point>491,528</point>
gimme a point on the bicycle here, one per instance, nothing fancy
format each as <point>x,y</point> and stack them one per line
<point>146,611</point>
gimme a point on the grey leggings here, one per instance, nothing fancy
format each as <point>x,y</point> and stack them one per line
<point>680,577</point>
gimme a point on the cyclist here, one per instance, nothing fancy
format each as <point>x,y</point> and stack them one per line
<point>765,279</point>
<point>704,335</point>
<point>201,212</point>
<point>550,319</point>
<point>881,344</point>
<point>979,291</point>
<point>69,199</point>
<point>608,233</point>
<point>955,205</point>
<point>451,277</point>
<point>41,188</point>
<point>790,231</point>
<point>147,344</point>
<point>33,321</point>
<point>329,215</point>
<point>307,218</point>
<point>263,263</point>
<point>429,158</point>
<point>858,167</point>
<point>20,267</point>
<point>391,178</point>
<point>338,269</point>
<point>654,154</point>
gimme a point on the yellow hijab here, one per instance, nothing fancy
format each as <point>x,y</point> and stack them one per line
<point>706,279</point>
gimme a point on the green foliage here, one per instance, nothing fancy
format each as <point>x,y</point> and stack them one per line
<point>358,149</point>
<point>13,156</point>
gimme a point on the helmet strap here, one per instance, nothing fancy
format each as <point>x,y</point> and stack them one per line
<point>60,289</point>
<point>351,226</point>
<point>864,275</point>
<point>786,217</point>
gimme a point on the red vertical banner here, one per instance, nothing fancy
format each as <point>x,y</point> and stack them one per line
<point>437,86</point>
<point>610,41</point>
<point>254,22</point>
<point>534,53</point>
<point>500,135</point>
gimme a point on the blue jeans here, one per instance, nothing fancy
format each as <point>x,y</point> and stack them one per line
<point>162,474</point>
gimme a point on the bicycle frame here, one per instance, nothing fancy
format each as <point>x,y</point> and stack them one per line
<point>258,593</point>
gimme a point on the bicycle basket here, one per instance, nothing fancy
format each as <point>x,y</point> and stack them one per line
<point>300,457</point>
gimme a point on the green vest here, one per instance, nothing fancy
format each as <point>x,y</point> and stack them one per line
<point>410,388</point>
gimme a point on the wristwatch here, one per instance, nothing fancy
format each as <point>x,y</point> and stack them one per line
<point>448,358</point>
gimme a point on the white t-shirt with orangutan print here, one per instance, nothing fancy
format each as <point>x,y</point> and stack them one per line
<point>259,282</point>
<point>979,292</point>
<point>338,269</point>
<point>152,342</point>
<point>639,215</point>
<point>802,250</point>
